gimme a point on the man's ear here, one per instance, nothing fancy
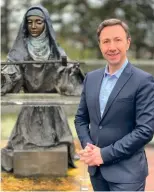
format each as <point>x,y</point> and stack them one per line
<point>128,43</point>
<point>98,41</point>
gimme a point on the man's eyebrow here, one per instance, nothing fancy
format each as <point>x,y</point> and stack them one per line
<point>105,39</point>
<point>109,38</point>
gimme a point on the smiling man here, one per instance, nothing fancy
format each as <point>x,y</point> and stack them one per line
<point>114,42</point>
<point>115,117</point>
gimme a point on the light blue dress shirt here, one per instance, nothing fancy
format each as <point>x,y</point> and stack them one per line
<point>107,85</point>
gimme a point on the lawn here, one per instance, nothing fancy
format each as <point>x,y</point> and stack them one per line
<point>69,183</point>
<point>8,122</point>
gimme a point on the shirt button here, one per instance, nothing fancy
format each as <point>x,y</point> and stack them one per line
<point>100,127</point>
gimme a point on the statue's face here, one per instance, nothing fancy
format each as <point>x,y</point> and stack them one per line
<point>35,25</point>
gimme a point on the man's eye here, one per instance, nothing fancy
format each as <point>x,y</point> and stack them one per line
<point>105,42</point>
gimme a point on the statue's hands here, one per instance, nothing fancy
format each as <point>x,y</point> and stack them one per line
<point>6,83</point>
<point>69,80</point>
<point>74,69</point>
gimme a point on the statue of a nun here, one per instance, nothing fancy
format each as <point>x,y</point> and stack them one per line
<point>39,127</point>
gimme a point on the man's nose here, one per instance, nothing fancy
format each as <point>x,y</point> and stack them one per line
<point>112,46</point>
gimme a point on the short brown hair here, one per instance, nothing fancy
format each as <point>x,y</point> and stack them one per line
<point>112,22</point>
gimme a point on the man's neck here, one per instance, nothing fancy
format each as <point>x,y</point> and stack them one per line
<point>113,68</point>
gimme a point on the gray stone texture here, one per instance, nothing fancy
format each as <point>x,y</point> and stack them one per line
<point>53,162</point>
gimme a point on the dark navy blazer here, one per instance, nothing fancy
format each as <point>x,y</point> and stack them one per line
<point>126,126</point>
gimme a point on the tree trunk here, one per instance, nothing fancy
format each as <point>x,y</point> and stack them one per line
<point>137,55</point>
<point>5,28</point>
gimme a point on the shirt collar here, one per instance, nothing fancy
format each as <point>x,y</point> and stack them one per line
<point>118,72</point>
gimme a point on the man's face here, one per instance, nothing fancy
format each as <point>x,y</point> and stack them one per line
<point>35,25</point>
<point>114,44</point>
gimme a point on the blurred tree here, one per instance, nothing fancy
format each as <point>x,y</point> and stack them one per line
<point>4,26</point>
<point>78,21</point>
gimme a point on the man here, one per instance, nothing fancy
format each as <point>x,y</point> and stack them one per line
<point>115,117</point>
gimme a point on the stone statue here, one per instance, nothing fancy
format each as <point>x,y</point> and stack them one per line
<point>39,127</point>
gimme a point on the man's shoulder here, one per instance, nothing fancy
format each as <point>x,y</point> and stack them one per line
<point>139,72</point>
<point>96,72</point>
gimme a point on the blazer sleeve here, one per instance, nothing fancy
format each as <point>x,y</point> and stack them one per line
<point>142,132</point>
<point>82,119</point>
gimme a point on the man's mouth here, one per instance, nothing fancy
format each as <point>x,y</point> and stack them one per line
<point>112,55</point>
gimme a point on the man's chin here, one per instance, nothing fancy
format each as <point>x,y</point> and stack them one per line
<point>114,63</point>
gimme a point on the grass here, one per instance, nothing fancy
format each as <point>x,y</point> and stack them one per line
<point>69,183</point>
<point>72,127</point>
<point>8,122</point>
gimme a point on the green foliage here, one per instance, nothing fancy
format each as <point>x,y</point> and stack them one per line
<point>3,56</point>
<point>76,22</point>
<point>74,52</point>
<point>8,122</point>
<point>85,16</point>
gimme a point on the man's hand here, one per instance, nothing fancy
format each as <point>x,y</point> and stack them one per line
<point>91,155</point>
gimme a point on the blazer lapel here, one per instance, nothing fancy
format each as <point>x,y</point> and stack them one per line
<point>98,79</point>
<point>126,74</point>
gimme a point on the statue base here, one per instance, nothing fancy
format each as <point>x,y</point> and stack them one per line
<point>53,162</point>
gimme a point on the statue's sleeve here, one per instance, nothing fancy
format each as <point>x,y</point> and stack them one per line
<point>11,79</point>
<point>69,80</point>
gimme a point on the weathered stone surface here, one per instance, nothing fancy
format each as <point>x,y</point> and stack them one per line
<point>40,99</point>
<point>52,162</point>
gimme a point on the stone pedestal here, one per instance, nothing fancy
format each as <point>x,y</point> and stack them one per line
<point>53,162</point>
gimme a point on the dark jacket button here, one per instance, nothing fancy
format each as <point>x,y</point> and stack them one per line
<point>100,127</point>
